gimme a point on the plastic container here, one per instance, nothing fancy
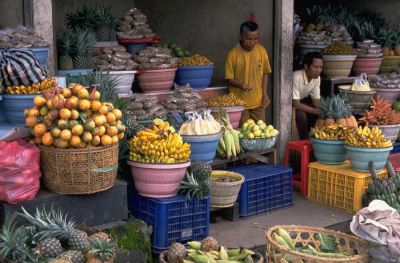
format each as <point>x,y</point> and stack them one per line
<point>370,66</point>
<point>266,188</point>
<point>338,66</point>
<point>14,106</point>
<point>258,144</point>
<point>390,95</point>
<point>329,152</point>
<point>202,147</point>
<point>360,157</point>
<point>199,77</point>
<point>234,113</point>
<point>389,131</point>
<point>396,148</point>
<point>173,219</point>
<point>125,81</point>
<point>158,180</point>
<point>338,186</point>
<point>156,80</point>
<point>41,54</point>
<point>395,160</point>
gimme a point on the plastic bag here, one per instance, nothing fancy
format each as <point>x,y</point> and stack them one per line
<point>19,171</point>
<point>361,84</point>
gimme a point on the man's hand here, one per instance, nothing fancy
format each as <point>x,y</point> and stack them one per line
<point>265,102</point>
<point>246,87</point>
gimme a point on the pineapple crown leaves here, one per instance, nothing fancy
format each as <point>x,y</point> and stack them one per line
<point>192,187</point>
<point>91,18</point>
<point>49,224</point>
<point>66,42</point>
<point>85,39</point>
<point>102,249</point>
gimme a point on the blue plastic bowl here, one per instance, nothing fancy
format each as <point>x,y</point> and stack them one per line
<point>41,54</point>
<point>14,106</point>
<point>329,151</point>
<point>360,157</point>
<point>133,48</point>
<point>202,147</point>
<point>199,77</point>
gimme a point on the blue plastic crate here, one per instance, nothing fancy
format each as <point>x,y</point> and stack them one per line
<point>173,219</point>
<point>265,188</point>
<point>396,148</point>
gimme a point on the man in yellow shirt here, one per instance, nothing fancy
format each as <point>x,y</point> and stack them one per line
<point>246,70</point>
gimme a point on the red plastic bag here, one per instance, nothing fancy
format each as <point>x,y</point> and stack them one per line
<point>19,171</point>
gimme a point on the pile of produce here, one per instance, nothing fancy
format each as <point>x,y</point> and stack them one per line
<point>331,132</point>
<point>199,123</point>
<point>20,37</point>
<point>207,250</point>
<point>328,247</point>
<point>338,48</point>
<point>366,137</point>
<point>229,144</point>
<point>176,50</point>
<point>195,60</point>
<point>337,110</point>
<point>52,237</point>
<point>35,88</point>
<point>184,99</point>
<point>227,100</point>
<point>155,58</point>
<point>134,25</point>
<point>74,118</point>
<point>114,58</point>
<point>159,144</point>
<point>196,183</point>
<point>380,113</point>
<point>324,34</point>
<point>388,81</point>
<point>250,129</point>
<point>369,49</point>
<point>144,107</point>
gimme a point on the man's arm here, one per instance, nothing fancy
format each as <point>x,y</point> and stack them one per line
<point>239,84</point>
<point>265,99</point>
<point>303,107</point>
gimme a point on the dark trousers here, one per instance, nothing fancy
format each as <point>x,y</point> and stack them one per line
<point>304,121</point>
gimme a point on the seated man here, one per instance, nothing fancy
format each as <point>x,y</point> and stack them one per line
<point>306,93</point>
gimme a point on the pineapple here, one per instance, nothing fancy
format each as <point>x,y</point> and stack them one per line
<point>201,170</point>
<point>78,240</point>
<point>100,235</point>
<point>74,256</point>
<point>65,48</point>
<point>209,244</point>
<point>100,251</point>
<point>106,24</point>
<point>330,112</point>
<point>176,253</point>
<point>13,242</point>
<point>341,112</point>
<point>85,39</point>
<point>49,247</point>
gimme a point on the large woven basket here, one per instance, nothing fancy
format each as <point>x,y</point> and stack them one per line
<point>224,194</point>
<point>304,235</point>
<point>257,258</point>
<point>79,171</point>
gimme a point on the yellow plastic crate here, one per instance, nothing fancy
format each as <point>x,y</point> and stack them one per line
<point>338,186</point>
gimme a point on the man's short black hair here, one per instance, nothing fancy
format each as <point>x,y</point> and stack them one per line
<point>248,26</point>
<point>309,58</point>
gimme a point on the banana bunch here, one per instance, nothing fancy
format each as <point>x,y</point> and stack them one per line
<point>366,137</point>
<point>331,132</point>
<point>236,255</point>
<point>35,88</point>
<point>159,144</point>
<point>199,124</point>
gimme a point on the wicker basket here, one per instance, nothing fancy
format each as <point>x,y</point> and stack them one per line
<point>304,235</point>
<point>224,194</point>
<point>257,258</point>
<point>79,171</point>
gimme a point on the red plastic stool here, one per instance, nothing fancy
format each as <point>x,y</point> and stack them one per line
<point>306,152</point>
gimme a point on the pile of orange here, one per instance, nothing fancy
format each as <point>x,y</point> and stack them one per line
<point>73,117</point>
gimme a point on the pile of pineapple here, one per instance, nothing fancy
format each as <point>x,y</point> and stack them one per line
<point>335,110</point>
<point>74,118</point>
<point>51,237</point>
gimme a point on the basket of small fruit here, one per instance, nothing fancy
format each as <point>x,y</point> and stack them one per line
<point>195,70</point>
<point>291,243</point>
<point>208,250</point>
<point>159,159</point>
<point>203,133</point>
<point>225,187</point>
<point>338,60</point>
<point>78,138</point>
<point>257,136</point>
<point>365,145</point>
<point>233,105</point>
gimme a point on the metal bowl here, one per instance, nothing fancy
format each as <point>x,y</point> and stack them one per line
<point>258,144</point>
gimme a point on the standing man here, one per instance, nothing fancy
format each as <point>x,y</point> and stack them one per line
<point>246,70</point>
<point>306,93</point>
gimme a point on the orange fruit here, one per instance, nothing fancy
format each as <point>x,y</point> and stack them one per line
<point>47,139</point>
<point>66,92</point>
<point>87,136</point>
<point>106,139</point>
<point>97,95</point>
<point>65,113</point>
<point>83,93</point>
<point>74,114</point>
<point>96,140</point>
<point>111,118</point>
<point>89,125</point>
<point>49,105</point>
<point>31,121</point>
<point>62,124</point>
<point>103,110</point>
<point>84,105</point>
<point>47,121</point>
<point>77,130</point>
<point>82,145</point>
<point>37,139</point>
<point>39,129</point>
<point>60,143</point>
<point>55,132</point>
<point>106,125</point>
<point>75,87</point>
<point>39,100</point>
<point>112,131</point>
<point>66,135</point>
<point>32,112</point>
<point>53,115</point>
<point>75,141</point>
<point>95,105</point>
<point>100,120</point>
<point>43,110</point>
<point>57,101</point>
<point>72,123</point>
<point>71,103</point>
<point>114,139</point>
<point>101,130</point>
<point>121,135</point>
<point>118,113</point>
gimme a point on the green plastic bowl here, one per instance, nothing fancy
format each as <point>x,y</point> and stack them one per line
<point>329,151</point>
<point>361,156</point>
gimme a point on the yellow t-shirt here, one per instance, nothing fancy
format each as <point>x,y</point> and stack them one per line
<point>248,67</point>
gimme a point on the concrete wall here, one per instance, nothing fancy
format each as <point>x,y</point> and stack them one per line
<point>11,13</point>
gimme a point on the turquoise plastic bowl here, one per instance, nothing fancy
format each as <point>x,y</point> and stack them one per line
<point>202,147</point>
<point>329,152</point>
<point>199,77</point>
<point>360,157</point>
<point>14,106</point>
